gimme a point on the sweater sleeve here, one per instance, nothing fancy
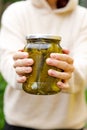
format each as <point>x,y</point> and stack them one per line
<point>11,40</point>
<point>78,81</point>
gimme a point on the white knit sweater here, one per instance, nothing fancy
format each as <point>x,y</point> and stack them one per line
<point>63,110</point>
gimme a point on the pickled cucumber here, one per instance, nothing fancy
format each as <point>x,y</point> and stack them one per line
<point>48,83</point>
<point>31,84</point>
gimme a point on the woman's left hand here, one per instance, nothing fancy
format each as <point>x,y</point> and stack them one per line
<point>63,62</point>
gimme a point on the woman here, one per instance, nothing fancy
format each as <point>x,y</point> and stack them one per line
<point>66,110</point>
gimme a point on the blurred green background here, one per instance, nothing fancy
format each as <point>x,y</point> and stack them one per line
<point>3,6</point>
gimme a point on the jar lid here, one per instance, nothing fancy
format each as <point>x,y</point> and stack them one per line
<point>43,36</point>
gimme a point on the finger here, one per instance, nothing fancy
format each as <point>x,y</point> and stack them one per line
<point>63,85</point>
<point>21,50</point>
<point>23,62</point>
<point>23,70</point>
<point>21,79</point>
<point>20,55</point>
<point>65,51</point>
<point>62,57</point>
<point>60,65</point>
<point>59,75</point>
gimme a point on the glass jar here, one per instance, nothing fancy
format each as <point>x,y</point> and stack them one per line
<point>39,48</point>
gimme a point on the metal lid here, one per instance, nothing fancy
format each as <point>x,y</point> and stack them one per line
<point>43,36</point>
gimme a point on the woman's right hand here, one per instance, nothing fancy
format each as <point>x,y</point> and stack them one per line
<point>22,64</point>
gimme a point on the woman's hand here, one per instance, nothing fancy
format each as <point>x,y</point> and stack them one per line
<point>22,64</point>
<point>64,62</point>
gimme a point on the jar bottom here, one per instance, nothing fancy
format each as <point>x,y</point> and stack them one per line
<point>41,88</point>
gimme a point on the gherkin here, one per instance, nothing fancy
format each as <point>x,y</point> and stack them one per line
<point>38,81</point>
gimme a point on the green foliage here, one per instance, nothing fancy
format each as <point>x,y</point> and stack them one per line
<point>86,95</point>
<point>83,3</point>
<point>5,1</point>
<point>2,88</point>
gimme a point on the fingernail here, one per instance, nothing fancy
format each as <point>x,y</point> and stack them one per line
<point>60,84</point>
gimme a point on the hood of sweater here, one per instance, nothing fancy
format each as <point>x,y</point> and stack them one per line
<point>70,5</point>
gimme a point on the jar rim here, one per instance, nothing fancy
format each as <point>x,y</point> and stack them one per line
<point>43,36</point>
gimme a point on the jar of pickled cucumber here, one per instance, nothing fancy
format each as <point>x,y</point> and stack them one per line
<point>39,48</point>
